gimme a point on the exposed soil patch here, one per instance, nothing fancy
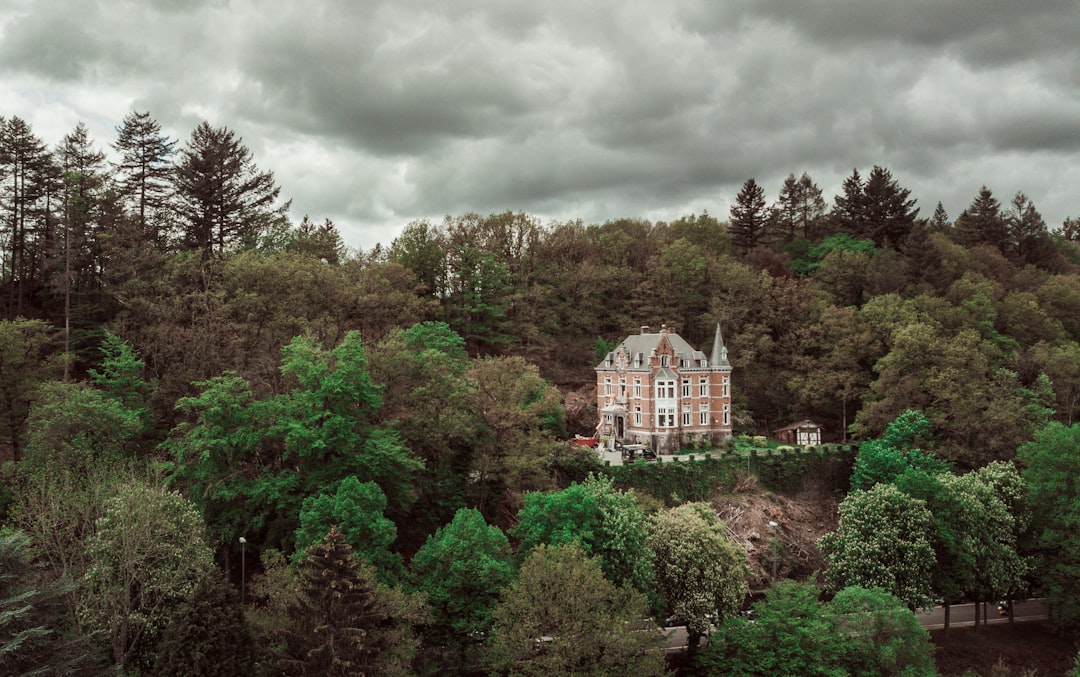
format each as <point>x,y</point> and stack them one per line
<point>789,549</point>
<point>1026,649</point>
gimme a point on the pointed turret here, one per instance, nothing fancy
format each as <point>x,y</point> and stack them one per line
<point>718,358</point>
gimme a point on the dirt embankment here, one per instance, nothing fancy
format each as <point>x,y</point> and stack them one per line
<point>779,532</point>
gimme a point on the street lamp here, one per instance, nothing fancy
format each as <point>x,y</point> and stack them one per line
<point>243,569</point>
<point>774,546</point>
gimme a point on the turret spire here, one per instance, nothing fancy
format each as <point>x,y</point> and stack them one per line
<point>718,358</point>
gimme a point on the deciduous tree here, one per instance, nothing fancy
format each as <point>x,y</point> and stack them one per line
<point>462,569</point>
<point>562,617</point>
<point>1051,463</point>
<point>883,541</point>
<point>699,570</point>
<point>606,523</point>
<point>147,555</point>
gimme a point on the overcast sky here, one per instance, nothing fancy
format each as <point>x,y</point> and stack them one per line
<point>375,113</point>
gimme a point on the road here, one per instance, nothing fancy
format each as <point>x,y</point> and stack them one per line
<point>960,616</point>
<point>963,615</point>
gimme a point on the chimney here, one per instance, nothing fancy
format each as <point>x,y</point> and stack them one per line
<point>644,329</point>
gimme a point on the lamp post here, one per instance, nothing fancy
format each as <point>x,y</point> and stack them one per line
<point>243,569</point>
<point>774,546</point>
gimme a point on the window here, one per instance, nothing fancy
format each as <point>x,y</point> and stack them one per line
<point>622,387</point>
<point>726,393</point>
<point>607,385</point>
<point>727,414</point>
<point>663,360</point>
<point>665,417</point>
<point>665,390</point>
<point>687,416</point>
<point>703,417</point>
<point>637,415</point>
<point>703,387</point>
<point>637,387</point>
<point>686,387</point>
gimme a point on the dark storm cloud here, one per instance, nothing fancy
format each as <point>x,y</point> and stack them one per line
<point>378,113</point>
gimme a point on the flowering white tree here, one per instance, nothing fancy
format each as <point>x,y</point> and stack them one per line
<point>883,541</point>
<point>147,554</point>
<point>699,569</point>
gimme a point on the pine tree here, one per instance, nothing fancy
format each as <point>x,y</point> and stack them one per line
<point>145,171</point>
<point>78,250</point>
<point>798,209</point>
<point>1028,235</point>
<point>29,178</point>
<point>982,223</point>
<point>849,211</point>
<point>224,201</point>
<point>939,222</point>
<point>749,217</point>
<point>888,211</point>
<point>207,635</point>
<point>341,622</point>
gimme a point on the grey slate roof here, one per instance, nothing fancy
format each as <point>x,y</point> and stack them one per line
<point>647,343</point>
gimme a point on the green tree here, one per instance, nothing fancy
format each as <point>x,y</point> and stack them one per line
<point>37,633</point>
<point>120,376</point>
<point>562,617</point>
<point>147,555</point>
<point>81,200</point>
<point>342,622</point>
<point>700,571</point>
<point>75,426</point>
<point>1051,470</point>
<point>24,346</point>
<point>249,463</point>
<point>883,541</point>
<point>749,217</point>
<point>28,178</point>
<point>798,209</point>
<point>517,411</point>
<point>790,635</point>
<point>860,632</point>
<point>462,569</point>
<point>428,400</point>
<point>356,510</point>
<point>881,635</point>
<point>207,635</point>
<point>144,171</point>
<point>888,210</point>
<point>606,523</point>
<point>898,451</point>
<point>418,249</point>
<point>982,223</point>
<point>992,529</point>
<point>223,200</point>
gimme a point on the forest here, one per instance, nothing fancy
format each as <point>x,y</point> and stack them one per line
<point>232,445</point>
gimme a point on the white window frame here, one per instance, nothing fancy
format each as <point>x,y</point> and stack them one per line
<point>686,387</point>
<point>703,387</point>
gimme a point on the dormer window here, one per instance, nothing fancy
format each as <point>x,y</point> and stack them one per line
<point>663,360</point>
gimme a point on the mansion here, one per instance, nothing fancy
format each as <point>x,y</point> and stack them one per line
<point>655,389</point>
